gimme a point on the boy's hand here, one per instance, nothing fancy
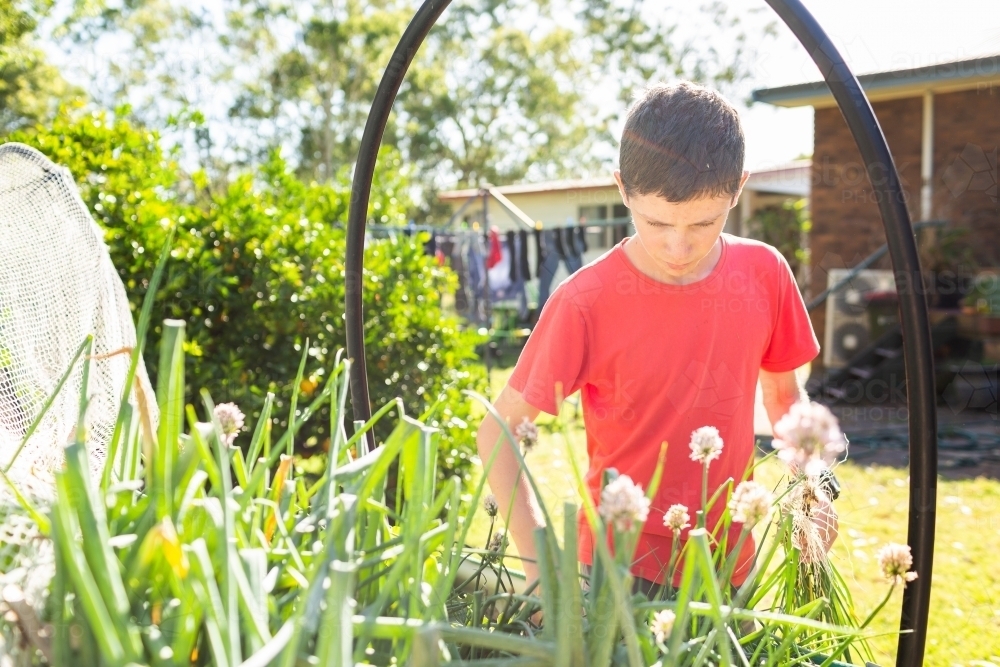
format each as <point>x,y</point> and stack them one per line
<point>824,517</point>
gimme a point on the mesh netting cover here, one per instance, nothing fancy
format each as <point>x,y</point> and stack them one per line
<point>57,285</point>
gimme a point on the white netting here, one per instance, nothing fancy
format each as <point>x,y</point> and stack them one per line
<point>57,284</point>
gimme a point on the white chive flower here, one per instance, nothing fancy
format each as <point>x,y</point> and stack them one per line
<point>808,437</point>
<point>623,503</point>
<point>498,541</point>
<point>527,434</point>
<point>677,518</point>
<point>490,505</point>
<point>751,503</point>
<point>662,624</point>
<point>706,444</point>
<point>895,561</point>
<point>230,419</point>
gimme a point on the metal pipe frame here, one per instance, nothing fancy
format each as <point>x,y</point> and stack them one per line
<point>884,178</point>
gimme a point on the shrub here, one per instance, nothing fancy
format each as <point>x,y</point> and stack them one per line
<point>784,226</point>
<point>257,270</point>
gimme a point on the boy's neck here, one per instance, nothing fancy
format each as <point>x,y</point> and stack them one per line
<point>646,265</point>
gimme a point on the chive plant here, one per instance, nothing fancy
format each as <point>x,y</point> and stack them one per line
<point>195,548</point>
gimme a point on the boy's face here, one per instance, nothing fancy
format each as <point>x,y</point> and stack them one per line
<point>677,236</point>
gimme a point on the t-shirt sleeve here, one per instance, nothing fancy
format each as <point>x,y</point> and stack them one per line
<point>551,364</point>
<point>793,341</point>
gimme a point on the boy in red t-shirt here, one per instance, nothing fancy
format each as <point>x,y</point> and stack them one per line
<point>668,331</point>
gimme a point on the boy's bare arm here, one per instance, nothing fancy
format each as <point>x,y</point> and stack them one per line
<point>780,392</point>
<point>505,477</point>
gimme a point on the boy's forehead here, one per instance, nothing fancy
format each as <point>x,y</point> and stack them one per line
<point>656,208</point>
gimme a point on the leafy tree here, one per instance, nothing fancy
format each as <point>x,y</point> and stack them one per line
<point>495,102</point>
<point>29,86</point>
<point>325,80</point>
<point>502,90</point>
<point>257,269</point>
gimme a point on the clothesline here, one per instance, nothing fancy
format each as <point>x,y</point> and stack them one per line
<point>476,226</point>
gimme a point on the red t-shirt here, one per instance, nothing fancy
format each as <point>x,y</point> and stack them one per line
<point>655,361</point>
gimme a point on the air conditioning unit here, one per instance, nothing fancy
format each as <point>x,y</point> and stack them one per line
<point>848,321</point>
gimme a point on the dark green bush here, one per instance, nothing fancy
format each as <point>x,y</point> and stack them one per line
<point>783,226</point>
<point>257,269</point>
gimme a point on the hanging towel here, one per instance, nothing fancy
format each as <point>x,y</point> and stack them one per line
<point>513,254</point>
<point>540,251</point>
<point>560,246</point>
<point>493,243</point>
<point>582,233</point>
<point>430,246</point>
<point>524,267</point>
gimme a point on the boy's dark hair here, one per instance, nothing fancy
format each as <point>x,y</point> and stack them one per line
<point>681,141</point>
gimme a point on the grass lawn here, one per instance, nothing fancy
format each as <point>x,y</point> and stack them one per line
<point>965,598</point>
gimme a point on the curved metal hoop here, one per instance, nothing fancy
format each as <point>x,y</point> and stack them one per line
<point>917,349</point>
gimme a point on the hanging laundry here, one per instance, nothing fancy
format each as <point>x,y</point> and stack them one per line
<point>499,273</point>
<point>571,243</point>
<point>474,254</point>
<point>522,237</point>
<point>582,234</point>
<point>511,241</point>
<point>430,245</point>
<point>495,252</point>
<point>502,288</point>
<point>574,255</point>
<point>560,245</point>
<point>540,249</point>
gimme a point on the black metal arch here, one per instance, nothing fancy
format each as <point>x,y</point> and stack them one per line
<point>917,350</point>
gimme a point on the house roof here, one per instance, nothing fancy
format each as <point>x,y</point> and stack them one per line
<point>941,77</point>
<point>788,178</point>
<point>543,186</point>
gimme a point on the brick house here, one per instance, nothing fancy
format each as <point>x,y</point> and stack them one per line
<point>942,124</point>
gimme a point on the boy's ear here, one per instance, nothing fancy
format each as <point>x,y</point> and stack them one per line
<point>743,181</point>
<point>621,187</point>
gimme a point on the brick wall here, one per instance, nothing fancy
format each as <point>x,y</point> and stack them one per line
<point>846,221</point>
<point>967,129</point>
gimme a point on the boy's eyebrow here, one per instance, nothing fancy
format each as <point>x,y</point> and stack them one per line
<point>660,222</point>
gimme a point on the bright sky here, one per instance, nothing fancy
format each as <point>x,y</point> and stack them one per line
<point>873,36</point>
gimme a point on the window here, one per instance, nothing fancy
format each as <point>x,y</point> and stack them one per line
<point>590,213</point>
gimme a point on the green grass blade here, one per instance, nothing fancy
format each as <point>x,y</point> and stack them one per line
<point>261,431</point>
<point>85,589</point>
<point>170,392</point>
<point>142,327</point>
<point>85,345</point>
<point>569,632</point>
<point>295,399</point>
<point>227,538</point>
<point>335,644</point>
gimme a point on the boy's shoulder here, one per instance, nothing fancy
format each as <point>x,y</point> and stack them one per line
<point>746,249</point>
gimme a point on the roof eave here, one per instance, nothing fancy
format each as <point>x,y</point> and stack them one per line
<point>890,85</point>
